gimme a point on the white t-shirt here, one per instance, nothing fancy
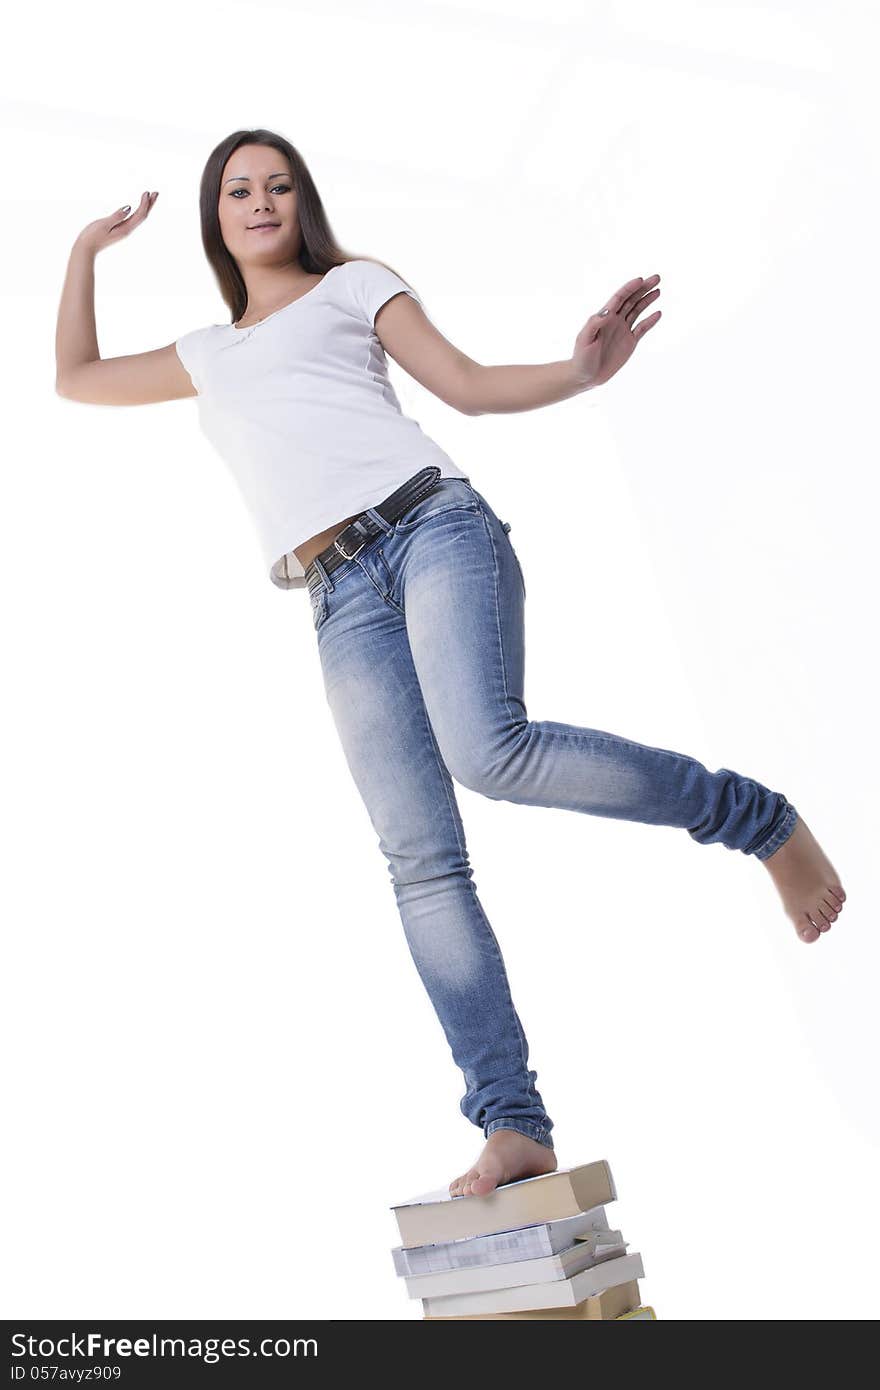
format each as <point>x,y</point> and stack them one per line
<point>300,408</point>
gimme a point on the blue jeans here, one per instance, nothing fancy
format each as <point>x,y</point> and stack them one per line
<point>421,644</point>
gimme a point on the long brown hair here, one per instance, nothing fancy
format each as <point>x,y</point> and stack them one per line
<point>319,249</point>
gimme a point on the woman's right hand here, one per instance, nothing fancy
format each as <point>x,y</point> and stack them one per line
<point>107,230</point>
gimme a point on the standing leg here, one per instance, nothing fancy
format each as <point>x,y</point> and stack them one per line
<point>377,707</point>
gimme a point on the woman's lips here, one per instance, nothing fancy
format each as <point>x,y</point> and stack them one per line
<point>267,227</point>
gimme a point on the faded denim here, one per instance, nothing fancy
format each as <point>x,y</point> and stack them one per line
<point>421,644</point>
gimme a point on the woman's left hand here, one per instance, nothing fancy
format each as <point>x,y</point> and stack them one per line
<point>608,339</point>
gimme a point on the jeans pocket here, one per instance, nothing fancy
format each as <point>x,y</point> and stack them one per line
<point>448,494</point>
<point>505,526</point>
<point>318,600</point>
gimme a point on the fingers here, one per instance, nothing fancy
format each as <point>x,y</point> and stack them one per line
<point>624,293</point>
<point>642,328</point>
<point>125,217</point>
<point>632,298</point>
<point>640,296</point>
<point>627,295</point>
<point>629,301</point>
<point>637,308</point>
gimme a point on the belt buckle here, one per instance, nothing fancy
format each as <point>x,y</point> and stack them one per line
<point>344,553</point>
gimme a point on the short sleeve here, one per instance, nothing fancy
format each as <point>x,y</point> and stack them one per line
<point>189,350</point>
<point>372,285</point>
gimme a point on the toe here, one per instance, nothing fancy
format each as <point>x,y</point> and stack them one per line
<point>830,908</point>
<point>483,1183</point>
<point>806,929</point>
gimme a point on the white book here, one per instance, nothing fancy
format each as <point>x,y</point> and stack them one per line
<point>561,1293</point>
<point>522,1243</point>
<point>590,1250</point>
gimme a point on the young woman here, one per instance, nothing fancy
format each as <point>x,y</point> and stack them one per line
<point>416,593</point>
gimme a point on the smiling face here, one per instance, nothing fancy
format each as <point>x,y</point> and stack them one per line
<point>257,207</point>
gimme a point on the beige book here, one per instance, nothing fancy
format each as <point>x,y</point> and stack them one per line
<point>438,1216</point>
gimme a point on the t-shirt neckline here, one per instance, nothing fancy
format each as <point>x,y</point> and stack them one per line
<point>249,328</point>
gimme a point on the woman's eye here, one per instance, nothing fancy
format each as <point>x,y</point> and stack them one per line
<point>283,186</point>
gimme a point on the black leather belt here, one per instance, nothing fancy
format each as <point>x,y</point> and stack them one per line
<point>357,533</point>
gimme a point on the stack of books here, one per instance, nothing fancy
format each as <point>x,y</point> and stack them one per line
<point>537,1248</point>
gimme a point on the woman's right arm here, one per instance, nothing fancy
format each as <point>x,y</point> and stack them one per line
<point>81,374</point>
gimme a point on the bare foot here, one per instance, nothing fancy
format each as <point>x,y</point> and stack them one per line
<point>807,881</point>
<point>507,1156</point>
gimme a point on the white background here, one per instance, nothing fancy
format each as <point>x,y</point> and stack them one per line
<point>222,1068</point>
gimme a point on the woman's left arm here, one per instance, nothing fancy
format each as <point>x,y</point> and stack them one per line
<point>606,341</point>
